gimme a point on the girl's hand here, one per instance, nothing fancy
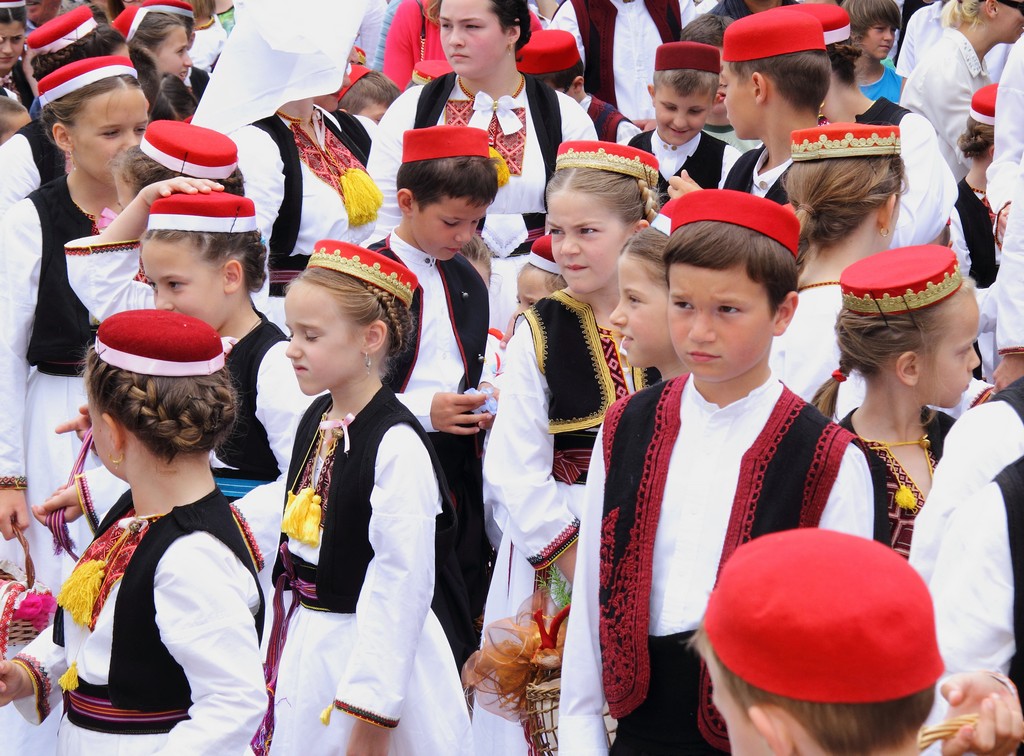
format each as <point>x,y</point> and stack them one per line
<point>13,512</point>
<point>178,185</point>
<point>14,682</point>
<point>368,740</point>
<point>63,498</point>
<point>80,425</point>
<point>1000,727</point>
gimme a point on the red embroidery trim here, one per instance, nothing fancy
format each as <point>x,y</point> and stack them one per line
<point>511,147</point>
<point>901,521</point>
<point>614,362</point>
<point>327,164</point>
<point>250,539</point>
<point>16,482</point>
<point>40,682</point>
<point>366,715</point>
<point>557,547</point>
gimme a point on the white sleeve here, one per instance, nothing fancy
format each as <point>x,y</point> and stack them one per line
<point>934,92</point>
<point>205,600</point>
<point>280,402</point>
<point>908,48</point>
<point>386,157</point>
<point>581,728</point>
<point>21,240</point>
<point>930,194</point>
<point>957,241</point>
<point>565,19</point>
<point>1002,174</point>
<point>369,29</point>
<point>850,507</point>
<point>687,12</point>
<point>626,131</point>
<point>399,585</point>
<point>520,452</point>
<point>418,402</point>
<point>103,277</point>
<point>1009,294</point>
<point>20,172</point>
<point>260,162</point>
<point>728,161</point>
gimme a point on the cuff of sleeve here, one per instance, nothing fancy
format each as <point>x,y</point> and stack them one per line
<point>85,502</point>
<point>81,250</point>
<point>983,397</point>
<point>366,715</point>
<point>557,547</point>
<point>13,482</point>
<point>1011,350</point>
<point>418,403</point>
<point>41,687</point>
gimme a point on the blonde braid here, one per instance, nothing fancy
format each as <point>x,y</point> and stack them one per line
<point>649,200</point>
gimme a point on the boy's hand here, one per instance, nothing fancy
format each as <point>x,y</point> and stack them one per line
<point>453,413</point>
<point>681,185</point>
<point>13,512</point>
<point>1000,727</point>
<point>63,498</point>
<point>14,682</point>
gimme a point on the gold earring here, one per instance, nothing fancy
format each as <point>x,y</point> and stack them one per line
<point>117,462</point>
<point>884,232</point>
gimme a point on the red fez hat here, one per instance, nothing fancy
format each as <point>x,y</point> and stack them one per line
<point>547,52</point>
<point>158,342</point>
<point>900,280</point>
<point>62,31</point>
<point>190,150</point>
<point>834,20</point>
<point>360,55</point>
<point>663,220</point>
<point>82,73</point>
<point>983,105</point>
<point>366,265</point>
<point>811,614</point>
<point>775,221</point>
<point>674,56</point>
<point>840,140</point>
<point>427,70</point>
<point>770,33</point>
<point>608,156</point>
<point>176,7</point>
<point>436,142</point>
<point>125,21</point>
<point>541,255</point>
<point>356,72</point>
<point>217,212</point>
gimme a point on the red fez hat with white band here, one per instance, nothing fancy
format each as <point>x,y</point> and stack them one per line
<point>125,21</point>
<point>663,220</point>
<point>900,280</point>
<point>693,56</point>
<point>983,105</point>
<point>175,7</point>
<point>770,33</point>
<point>608,156</point>
<point>62,31</point>
<point>834,20</point>
<point>158,342</point>
<point>775,221</point>
<point>839,140</point>
<point>368,266</point>
<point>811,615</point>
<point>541,256</point>
<point>435,142</point>
<point>548,51</point>
<point>190,150</point>
<point>217,212</point>
<point>427,70</point>
<point>82,73</point>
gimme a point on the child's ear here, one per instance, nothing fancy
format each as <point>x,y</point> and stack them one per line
<point>760,87</point>
<point>909,368</point>
<point>785,312</point>
<point>405,201</point>
<point>234,276</point>
<point>887,215</point>
<point>576,88</point>
<point>375,336</point>
<point>118,434</point>
<point>62,137</point>
<point>650,91</point>
<point>774,726</point>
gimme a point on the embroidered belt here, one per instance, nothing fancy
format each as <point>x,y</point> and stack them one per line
<point>61,369</point>
<point>571,466</point>
<point>89,707</point>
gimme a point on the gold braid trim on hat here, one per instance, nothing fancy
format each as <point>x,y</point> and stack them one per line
<point>418,78</point>
<point>912,300</point>
<point>848,146</point>
<point>604,161</point>
<point>371,274</point>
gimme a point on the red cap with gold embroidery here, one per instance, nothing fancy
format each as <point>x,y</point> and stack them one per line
<point>366,265</point>
<point>436,142</point>
<point>983,105</point>
<point>770,33</point>
<point>811,614</point>
<point>839,140</point>
<point>159,342</point>
<point>675,56</point>
<point>62,31</point>
<point>547,52</point>
<point>834,20</point>
<point>775,221</point>
<point>426,71</point>
<point>82,73</point>
<point>541,256</point>
<point>900,280</point>
<point>608,156</point>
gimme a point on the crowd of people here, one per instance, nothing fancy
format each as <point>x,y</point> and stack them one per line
<point>368,364</point>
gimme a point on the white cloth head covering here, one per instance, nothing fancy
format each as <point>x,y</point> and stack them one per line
<point>269,60</point>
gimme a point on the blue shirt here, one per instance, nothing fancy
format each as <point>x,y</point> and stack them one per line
<point>888,86</point>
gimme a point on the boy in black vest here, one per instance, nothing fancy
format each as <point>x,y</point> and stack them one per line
<point>776,74</point>
<point>446,182</point>
<point>686,471</point>
<point>686,78</point>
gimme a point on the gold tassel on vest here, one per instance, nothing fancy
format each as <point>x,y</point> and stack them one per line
<point>302,517</point>
<point>362,197</point>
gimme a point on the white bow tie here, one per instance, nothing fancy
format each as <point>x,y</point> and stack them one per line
<point>484,107</point>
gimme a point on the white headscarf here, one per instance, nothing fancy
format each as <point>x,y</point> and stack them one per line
<point>276,55</point>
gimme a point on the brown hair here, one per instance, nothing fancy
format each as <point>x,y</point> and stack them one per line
<point>363,304</point>
<point>843,57</point>
<point>103,40</point>
<point>630,199</point>
<point>686,82</point>
<point>721,246</point>
<point>374,88</point>
<point>977,138</point>
<point>868,345</point>
<point>217,248</point>
<point>562,80</point>
<point>648,246</point>
<point>511,14</point>
<point>839,729</point>
<point>801,78</point>
<point>170,416</point>
<point>203,9</point>
<point>156,27</point>
<point>9,110</point>
<point>833,197</point>
<point>707,28</point>
<point>479,255</point>
<point>137,170</point>
<point>867,13</point>
<point>13,16</point>
<point>171,100</point>
<point>67,108</point>
<point>472,178</point>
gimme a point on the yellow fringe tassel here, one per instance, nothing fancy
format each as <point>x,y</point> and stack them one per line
<point>302,517</point>
<point>69,680</point>
<point>503,172</point>
<point>905,498</point>
<point>362,197</point>
<point>325,715</point>
<point>81,590</point>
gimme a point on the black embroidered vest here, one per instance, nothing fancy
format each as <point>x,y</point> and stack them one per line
<point>741,177</point>
<point>704,166</point>
<point>977,226</point>
<point>48,159</point>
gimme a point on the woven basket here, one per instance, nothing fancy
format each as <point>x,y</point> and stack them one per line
<point>541,723</point>
<point>15,584</point>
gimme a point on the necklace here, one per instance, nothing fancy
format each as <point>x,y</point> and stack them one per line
<point>471,95</point>
<point>816,285</point>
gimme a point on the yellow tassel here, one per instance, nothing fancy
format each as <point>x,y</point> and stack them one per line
<point>503,172</point>
<point>69,680</point>
<point>362,197</point>
<point>905,499</point>
<point>325,715</point>
<point>302,517</point>
<point>81,590</point>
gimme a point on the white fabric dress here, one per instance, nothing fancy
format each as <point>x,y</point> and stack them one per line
<point>391,657</point>
<point>1002,174</point>
<point>207,45</point>
<point>20,172</point>
<point>930,191</point>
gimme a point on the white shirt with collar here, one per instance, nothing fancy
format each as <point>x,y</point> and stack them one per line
<point>438,366</point>
<point>672,157</point>
<point>625,131</point>
<point>765,180</point>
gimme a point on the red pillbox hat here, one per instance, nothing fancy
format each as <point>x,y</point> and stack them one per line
<point>158,342</point>
<point>62,31</point>
<point>177,7</point>
<point>217,212</point>
<point>356,72</point>
<point>983,105</point>
<point>368,266</point>
<point>674,56</point>
<point>834,20</point>
<point>900,280</point>
<point>427,70</point>
<point>541,255</point>
<point>548,51</point>
<point>190,150</point>
<point>436,142</point>
<point>815,615</point>
<point>770,33</point>
<point>608,156</point>
<point>775,221</point>
<point>125,21</point>
<point>82,73</point>
<point>839,140</point>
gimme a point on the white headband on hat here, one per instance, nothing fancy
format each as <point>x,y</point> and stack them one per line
<point>543,263</point>
<point>183,166</point>
<point>837,35</point>
<point>988,120</point>
<point>201,223</point>
<point>152,366</point>
<point>85,79</point>
<point>86,27</point>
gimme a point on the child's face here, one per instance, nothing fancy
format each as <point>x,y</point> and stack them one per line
<point>530,287</point>
<point>948,370</point>
<point>441,228</point>
<point>877,41</point>
<point>586,238</point>
<point>472,38</point>
<point>172,55</point>
<point>108,125</point>
<point>722,326</point>
<point>12,45</point>
<point>642,315</point>
<point>184,283</point>
<point>679,117</point>
<point>374,111</point>
<point>740,104</point>
<point>9,126</point>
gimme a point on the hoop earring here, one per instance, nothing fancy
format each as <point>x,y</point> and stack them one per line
<point>117,462</point>
<point>367,362</point>
<point>884,232</point>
